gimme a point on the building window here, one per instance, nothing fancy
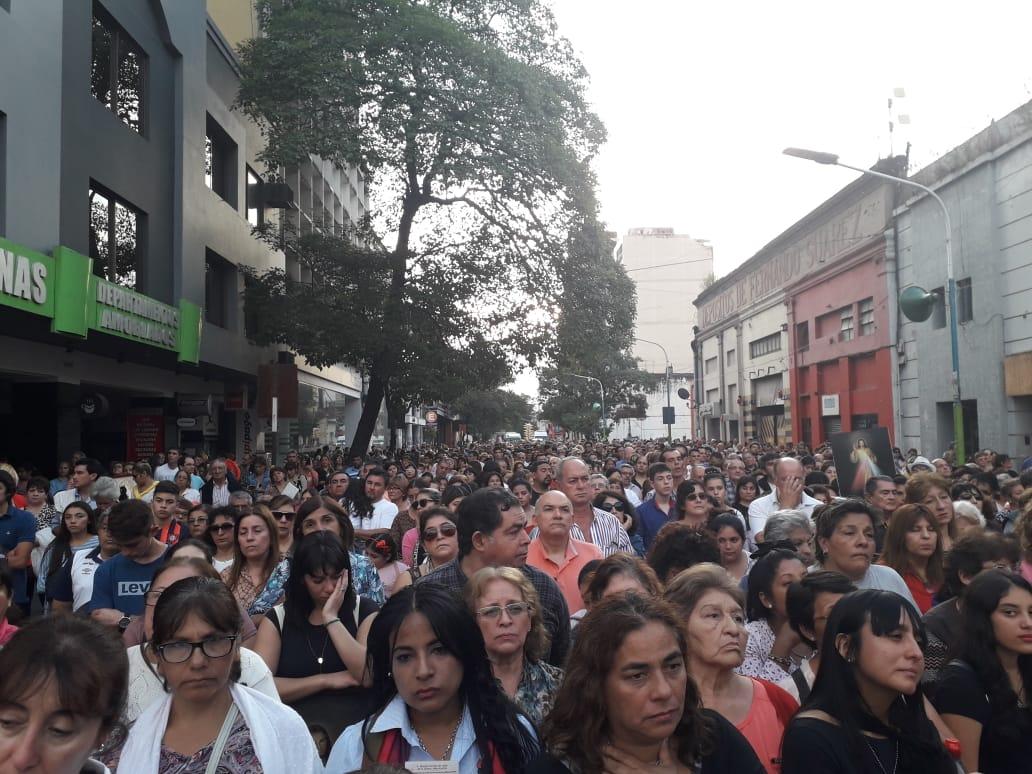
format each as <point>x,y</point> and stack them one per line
<point>711,365</point>
<point>220,292</point>
<point>255,212</point>
<point>802,336</point>
<point>846,324</point>
<point>116,231</point>
<point>965,305</point>
<point>867,317</point>
<point>765,346</point>
<point>939,310</point>
<point>713,396</point>
<point>118,70</point>
<point>730,356</point>
<point>864,421</point>
<point>220,154</point>
<point>732,399</point>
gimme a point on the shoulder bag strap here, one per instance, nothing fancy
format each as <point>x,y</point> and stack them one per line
<point>222,740</point>
<point>801,685</point>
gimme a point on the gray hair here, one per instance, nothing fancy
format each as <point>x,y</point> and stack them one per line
<point>105,487</point>
<point>241,496</point>
<point>962,509</point>
<point>782,523</point>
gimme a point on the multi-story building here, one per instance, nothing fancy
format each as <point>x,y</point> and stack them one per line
<point>668,270</point>
<point>986,184</point>
<point>745,347</point>
<point>129,188</point>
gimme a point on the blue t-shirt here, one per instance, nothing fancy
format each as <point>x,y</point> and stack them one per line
<point>651,520</point>
<point>17,526</point>
<point>120,583</point>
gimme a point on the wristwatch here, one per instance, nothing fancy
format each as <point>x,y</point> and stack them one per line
<point>123,623</point>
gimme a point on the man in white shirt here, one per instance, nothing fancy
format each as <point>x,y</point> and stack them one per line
<point>84,473</point>
<point>383,510</point>
<point>787,494</point>
<point>167,471</point>
<point>590,524</point>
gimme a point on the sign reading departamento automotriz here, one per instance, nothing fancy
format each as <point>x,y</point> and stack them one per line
<point>124,312</point>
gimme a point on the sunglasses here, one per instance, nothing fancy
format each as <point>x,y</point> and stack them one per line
<point>422,503</point>
<point>610,507</point>
<point>221,527</point>
<point>283,515</point>
<point>446,530</point>
<point>699,496</point>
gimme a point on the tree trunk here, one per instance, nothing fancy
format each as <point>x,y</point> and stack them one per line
<point>370,411</point>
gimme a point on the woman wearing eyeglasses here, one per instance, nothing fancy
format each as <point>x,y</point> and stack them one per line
<point>220,535</point>
<point>411,547</point>
<point>507,610</point>
<point>617,504</point>
<point>315,643</point>
<point>196,629</point>
<point>283,513</point>
<point>197,521</point>
<point>439,540</point>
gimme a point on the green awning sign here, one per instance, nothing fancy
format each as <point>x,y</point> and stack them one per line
<point>65,289</point>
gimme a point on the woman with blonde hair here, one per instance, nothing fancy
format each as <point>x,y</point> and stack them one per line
<point>507,610</point>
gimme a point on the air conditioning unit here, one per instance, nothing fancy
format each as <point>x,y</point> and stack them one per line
<point>829,406</point>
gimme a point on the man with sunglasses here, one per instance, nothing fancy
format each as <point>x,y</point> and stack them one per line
<point>555,552</point>
<point>120,583</point>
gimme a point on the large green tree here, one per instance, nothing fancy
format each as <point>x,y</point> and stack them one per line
<point>468,119</point>
<point>594,337</point>
<point>486,412</point>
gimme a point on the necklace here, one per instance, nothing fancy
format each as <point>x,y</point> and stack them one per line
<point>877,758</point>
<point>451,742</point>
<point>319,658</point>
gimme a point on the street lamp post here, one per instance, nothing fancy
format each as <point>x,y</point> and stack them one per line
<point>669,371</point>
<point>603,391</point>
<point>951,288</point>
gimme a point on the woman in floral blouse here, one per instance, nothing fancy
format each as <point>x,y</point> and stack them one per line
<point>506,607</point>
<point>258,573</point>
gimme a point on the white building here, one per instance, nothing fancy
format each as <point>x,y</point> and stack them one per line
<point>669,270</point>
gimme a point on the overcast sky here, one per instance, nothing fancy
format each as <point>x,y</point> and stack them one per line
<point>699,98</point>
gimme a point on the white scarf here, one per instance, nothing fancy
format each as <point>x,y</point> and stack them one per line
<point>280,738</point>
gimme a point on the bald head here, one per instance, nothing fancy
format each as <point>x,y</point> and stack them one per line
<point>553,515</point>
<point>785,469</point>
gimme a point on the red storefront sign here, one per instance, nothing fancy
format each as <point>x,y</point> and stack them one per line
<point>144,433</point>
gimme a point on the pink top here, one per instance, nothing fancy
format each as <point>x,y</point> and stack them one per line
<point>763,729</point>
<point>389,575</point>
<point>408,544</point>
<point>1026,570</point>
<point>6,631</point>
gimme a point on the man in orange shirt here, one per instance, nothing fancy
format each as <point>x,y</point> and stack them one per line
<point>554,552</point>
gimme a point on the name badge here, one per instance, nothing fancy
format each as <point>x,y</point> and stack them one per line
<point>433,767</point>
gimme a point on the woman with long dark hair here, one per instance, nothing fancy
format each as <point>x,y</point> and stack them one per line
<point>983,694</point>
<point>628,703</point>
<point>913,548</point>
<point>315,643</point>
<point>76,532</point>
<point>865,713</point>
<point>771,651</point>
<point>746,490</point>
<point>435,696</point>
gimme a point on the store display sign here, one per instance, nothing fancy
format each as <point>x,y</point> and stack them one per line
<point>26,279</point>
<point>144,433</point>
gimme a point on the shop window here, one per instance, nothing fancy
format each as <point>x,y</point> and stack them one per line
<point>802,336</point>
<point>116,237</point>
<point>255,211</point>
<point>220,155</point>
<point>765,346</point>
<point>965,305</point>
<point>867,317</point>
<point>118,70</point>
<point>220,292</point>
<point>846,324</point>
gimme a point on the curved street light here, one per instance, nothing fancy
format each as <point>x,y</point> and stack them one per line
<point>603,391</point>
<point>669,372</point>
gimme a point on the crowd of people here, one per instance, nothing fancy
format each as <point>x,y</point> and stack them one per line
<point>533,607</point>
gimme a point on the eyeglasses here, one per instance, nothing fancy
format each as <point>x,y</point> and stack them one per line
<point>283,515</point>
<point>610,507</point>
<point>699,496</point>
<point>221,527</point>
<point>213,647</point>
<point>421,503</point>
<point>446,530</point>
<point>514,610</point>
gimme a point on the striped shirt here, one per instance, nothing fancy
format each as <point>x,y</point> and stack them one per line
<point>606,532</point>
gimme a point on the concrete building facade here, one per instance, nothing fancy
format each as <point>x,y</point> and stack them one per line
<point>743,344</point>
<point>127,176</point>
<point>986,184</point>
<point>668,270</point>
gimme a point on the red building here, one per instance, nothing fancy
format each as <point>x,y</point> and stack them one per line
<point>841,345</point>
